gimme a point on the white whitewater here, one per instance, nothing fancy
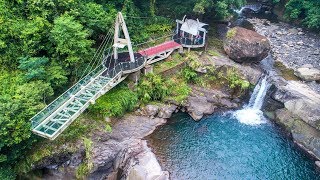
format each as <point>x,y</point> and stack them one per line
<point>251,114</point>
<point>239,12</point>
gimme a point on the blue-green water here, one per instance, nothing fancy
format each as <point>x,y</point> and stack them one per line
<point>220,147</point>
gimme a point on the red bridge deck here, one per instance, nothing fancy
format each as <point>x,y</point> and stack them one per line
<point>159,48</point>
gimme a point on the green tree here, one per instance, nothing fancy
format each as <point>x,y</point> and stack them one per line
<point>308,11</point>
<point>72,45</point>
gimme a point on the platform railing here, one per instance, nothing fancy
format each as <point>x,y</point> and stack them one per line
<point>110,73</point>
<point>54,105</point>
<point>188,41</point>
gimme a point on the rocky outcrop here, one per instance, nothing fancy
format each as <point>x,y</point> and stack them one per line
<point>252,73</point>
<point>199,106</point>
<point>139,163</point>
<point>299,113</point>
<point>306,136</point>
<point>308,73</point>
<point>243,45</point>
<point>166,111</point>
<point>149,110</point>
<point>203,101</point>
<point>300,100</point>
<point>114,153</point>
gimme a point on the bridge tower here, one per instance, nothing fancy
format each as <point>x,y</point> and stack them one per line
<point>120,42</point>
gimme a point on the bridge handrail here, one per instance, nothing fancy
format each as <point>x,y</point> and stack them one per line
<point>111,73</point>
<point>188,41</point>
<point>38,118</point>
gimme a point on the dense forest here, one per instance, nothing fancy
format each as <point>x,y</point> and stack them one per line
<point>46,45</point>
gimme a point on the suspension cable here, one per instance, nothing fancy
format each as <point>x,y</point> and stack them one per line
<point>97,53</point>
<point>154,39</point>
<point>103,50</point>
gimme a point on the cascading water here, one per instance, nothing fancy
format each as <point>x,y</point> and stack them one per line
<point>251,114</point>
<point>239,12</point>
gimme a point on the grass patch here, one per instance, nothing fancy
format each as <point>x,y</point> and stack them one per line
<point>231,33</point>
<point>168,63</point>
<point>115,103</point>
<point>214,53</point>
<point>287,74</point>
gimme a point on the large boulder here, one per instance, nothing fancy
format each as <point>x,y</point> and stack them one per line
<point>166,111</point>
<point>243,45</point>
<point>300,100</point>
<point>198,107</point>
<point>308,73</point>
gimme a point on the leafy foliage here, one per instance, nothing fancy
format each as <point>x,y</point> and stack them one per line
<point>220,8</point>
<point>116,102</point>
<point>235,81</point>
<point>152,87</point>
<point>179,90</point>
<point>308,11</point>
<point>189,74</point>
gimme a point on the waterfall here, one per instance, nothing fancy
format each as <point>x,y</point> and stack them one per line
<point>253,7</point>
<point>251,113</point>
<point>258,94</point>
<point>239,12</point>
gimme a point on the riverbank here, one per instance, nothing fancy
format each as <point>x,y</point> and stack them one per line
<point>294,101</point>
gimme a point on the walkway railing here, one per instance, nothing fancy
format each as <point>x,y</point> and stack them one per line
<point>122,67</point>
<point>54,105</point>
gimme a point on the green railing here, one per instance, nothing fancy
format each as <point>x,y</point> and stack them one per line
<point>54,105</point>
<point>111,73</point>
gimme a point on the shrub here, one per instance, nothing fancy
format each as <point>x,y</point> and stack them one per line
<point>189,74</point>
<point>179,90</point>
<point>152,88</point>
<point>116,102</point>
<point>235,81</point>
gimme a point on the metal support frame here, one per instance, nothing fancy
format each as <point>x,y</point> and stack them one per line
<point>120,42</point>
<point>68,112</point>
<point>162,55</point>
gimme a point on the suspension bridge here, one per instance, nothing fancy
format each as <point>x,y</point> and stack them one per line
<point>113,66</point>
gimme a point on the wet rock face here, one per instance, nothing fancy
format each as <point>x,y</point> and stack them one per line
<point>301,101</point>
<point>204,101</point>
<point>115,153</point>
<point>299,113</point>
<point>307,137</point>
<point>243,45</point>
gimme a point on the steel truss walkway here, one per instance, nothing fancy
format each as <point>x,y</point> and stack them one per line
<point>59,114</point>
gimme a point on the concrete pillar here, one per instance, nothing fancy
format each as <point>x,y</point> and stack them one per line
<point>181,50</point>
<point>135,76</point>
<point>147,69</point>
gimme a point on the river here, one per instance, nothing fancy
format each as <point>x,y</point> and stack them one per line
<point>221,147</point>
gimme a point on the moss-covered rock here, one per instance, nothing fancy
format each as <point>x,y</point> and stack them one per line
<point>243,45</point>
